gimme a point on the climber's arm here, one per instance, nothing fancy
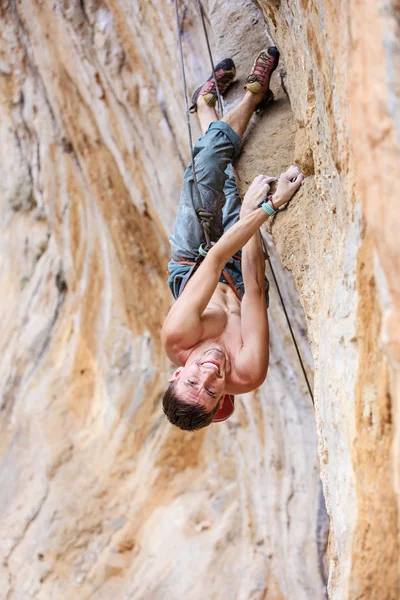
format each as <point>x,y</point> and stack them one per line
<point>253,358</point>
<point>183,325</point>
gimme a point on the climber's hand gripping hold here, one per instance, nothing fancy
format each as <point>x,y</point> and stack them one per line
<point>257,192</point>
<point>288,183</point>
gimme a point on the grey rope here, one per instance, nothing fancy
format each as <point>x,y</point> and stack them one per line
<point>204,217</point>
<point>201,11</point>
<point>290,329</point>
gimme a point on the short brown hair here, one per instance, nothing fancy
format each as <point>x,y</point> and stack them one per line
<point>185,415</point>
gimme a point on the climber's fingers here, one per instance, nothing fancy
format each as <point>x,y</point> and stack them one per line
<point>256,193</point>
<point>260,185</point>
<point>291,174</point>
<point>261,178</point>
<point>299,179</point>
<point>270,179</point>
<point>289,183</point>
<point>262,190</point>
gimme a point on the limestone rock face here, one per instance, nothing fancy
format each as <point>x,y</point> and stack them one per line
<point>342,62</point>
<point>99,496</point>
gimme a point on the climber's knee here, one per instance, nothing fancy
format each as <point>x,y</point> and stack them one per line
<point>216,149</point>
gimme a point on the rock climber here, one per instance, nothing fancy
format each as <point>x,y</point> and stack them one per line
<point>216,332</point>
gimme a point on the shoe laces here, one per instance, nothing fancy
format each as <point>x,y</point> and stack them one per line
<point>263,69</point>
<point>208,87</point>
<point>223,80</point>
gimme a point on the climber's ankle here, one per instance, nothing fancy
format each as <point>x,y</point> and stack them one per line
<point>206,114</point>
<point>202,104</point>
<point>252,98</point>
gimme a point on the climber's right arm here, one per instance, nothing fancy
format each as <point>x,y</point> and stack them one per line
<point>183,326</point>
<point>250,222</point>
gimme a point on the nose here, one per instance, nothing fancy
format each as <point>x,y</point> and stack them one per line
<point>209,376</point>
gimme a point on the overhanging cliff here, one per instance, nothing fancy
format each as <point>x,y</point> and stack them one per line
<point>99,496</point>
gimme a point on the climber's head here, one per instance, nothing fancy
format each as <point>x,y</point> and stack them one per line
<point>195,390</point>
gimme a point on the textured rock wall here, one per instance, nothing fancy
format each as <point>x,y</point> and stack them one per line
<point>342,63</point>
<point>99,496</point>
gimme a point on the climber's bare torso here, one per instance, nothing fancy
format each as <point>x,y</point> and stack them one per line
<point>221,319</point>
<point>220,327</point>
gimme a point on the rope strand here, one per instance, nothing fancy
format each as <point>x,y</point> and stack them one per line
<point>291,330</point>
<point>196,186</point>
<point>201,11</point>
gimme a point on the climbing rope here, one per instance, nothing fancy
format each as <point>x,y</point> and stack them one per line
<point>205,217</point>
<point>290,329</point>
<point>201,12</point>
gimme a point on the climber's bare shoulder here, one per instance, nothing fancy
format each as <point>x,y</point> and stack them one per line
<point>184,328</point>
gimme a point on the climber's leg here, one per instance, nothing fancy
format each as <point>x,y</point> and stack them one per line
<point>207,115</point>
<point>238,117</point>
<point>231,210</point>
<point>213,152</point>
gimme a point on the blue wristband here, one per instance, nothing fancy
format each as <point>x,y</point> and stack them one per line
<point>268,209</point>
<point>202,251</point>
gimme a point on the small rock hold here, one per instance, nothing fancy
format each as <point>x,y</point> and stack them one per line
<point>67,146</point>
<point>21,195</point>
<point>259,542</point>
<point>203,526</point>
<point>60,282</point>
<point>125,545</point>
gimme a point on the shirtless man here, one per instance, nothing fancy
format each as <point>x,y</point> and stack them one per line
<point>217,330</point>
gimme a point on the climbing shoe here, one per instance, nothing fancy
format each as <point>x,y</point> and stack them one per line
<point>225,73</point>
<point>258,80</point>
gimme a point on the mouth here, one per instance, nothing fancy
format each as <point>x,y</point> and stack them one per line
<point>211,364</point>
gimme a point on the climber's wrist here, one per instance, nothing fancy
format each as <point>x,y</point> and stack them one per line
<point>277,200</point>
<point>244,212</point>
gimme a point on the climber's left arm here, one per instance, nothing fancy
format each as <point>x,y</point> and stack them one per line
<point>253,357</point>
<point>252,360</point>
<point>183,327</point>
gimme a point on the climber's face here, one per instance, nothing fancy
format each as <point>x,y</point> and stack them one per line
<point>202,379</point>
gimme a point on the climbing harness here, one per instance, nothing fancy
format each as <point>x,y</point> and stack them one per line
<point>205,217</point>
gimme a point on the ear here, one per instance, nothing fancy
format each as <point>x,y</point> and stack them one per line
<point>175,375</point>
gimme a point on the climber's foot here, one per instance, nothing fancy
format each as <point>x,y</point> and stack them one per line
<point>225,73</point>
<point>258,81</point>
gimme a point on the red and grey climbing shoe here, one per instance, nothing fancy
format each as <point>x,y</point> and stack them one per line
<point>258,80</point>
<point>225,73</point>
